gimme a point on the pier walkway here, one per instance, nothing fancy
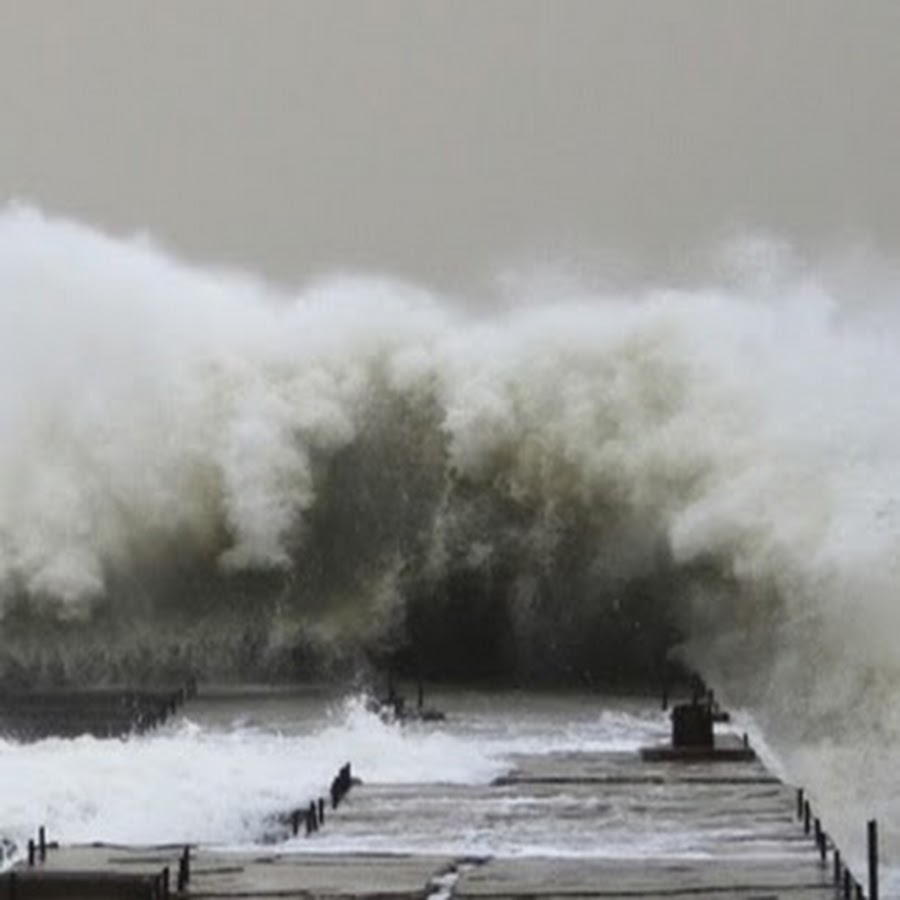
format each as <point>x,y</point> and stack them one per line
<point>618,826</point>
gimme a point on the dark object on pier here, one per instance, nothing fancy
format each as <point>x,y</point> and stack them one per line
<point>821,840</point>
<point>692,725</point>
<point>184,869</point>
<point>693,735</point>
<point>37,850</point>
<point>872,844</point>
<point>340,785</point>
<point>393,706</point>
<point>31,715</point>
<point>312,815</point>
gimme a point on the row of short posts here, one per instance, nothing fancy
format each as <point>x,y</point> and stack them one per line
<point>689,720</point>
<point>153,710</point>
<point>37,853</point>
<point>37,850</point>
<point>843,878</point>
<point>312,818</point>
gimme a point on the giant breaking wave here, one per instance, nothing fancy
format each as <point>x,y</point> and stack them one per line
<point>203,472</point>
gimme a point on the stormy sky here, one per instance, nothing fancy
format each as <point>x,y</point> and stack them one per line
<point>442,139</point>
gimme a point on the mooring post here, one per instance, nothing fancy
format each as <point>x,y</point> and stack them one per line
<point>664,678</point>
<point>807,815</point>
<point>799,803</point>
<point>184,868</point>
<point>873,859</point>
<point>837,866</point>
<point>30,851</point>
<point>321,810</point>
<point>42,843</point>
<point>819,838</point>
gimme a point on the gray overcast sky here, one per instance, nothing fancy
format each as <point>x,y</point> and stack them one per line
<point>443,139</point>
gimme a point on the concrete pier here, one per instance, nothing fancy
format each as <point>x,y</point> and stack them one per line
<point>630,827</point>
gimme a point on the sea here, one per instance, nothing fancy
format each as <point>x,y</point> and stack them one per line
<point>555,482</point>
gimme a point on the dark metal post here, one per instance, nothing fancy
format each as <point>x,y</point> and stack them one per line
<point>321,811</point>
<point>184,868</point>
<point>846,884</point>
<point>837,866</point>
<point>42,843</point>
<point>30,851</point>
<point>873,859</point>
<point>807,815</point>
<point>664,671</point>
<point>295,822</point>
<point>799,803</point>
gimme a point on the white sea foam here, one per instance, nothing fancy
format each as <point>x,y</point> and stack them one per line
<point>214,785</point>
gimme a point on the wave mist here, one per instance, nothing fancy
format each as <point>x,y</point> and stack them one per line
<point>198,464</point>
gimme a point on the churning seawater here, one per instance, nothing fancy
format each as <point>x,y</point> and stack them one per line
<point>220,772</point>
<point>202,474</point>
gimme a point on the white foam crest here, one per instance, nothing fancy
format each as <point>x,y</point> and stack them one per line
<point>143,400</point>
<point>190,784</point>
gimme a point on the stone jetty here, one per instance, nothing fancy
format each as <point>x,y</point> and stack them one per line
<point>630,825</point>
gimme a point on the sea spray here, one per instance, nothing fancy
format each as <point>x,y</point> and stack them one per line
<point>199,467</point>
<point>219,773</point>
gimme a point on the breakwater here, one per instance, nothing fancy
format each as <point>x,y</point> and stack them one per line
<point>707,824</point>
<point>30,715</point>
